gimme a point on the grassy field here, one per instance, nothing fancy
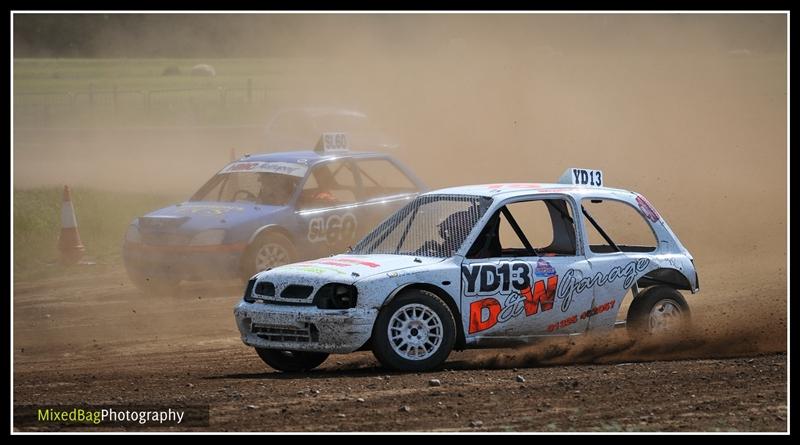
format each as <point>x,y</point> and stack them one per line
<point>102,218</point>
<point>55,93</point>
<point>101,92</point>
<point>62,75</point>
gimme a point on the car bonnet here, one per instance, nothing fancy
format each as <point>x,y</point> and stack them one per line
<point>344,268</point>
<point>193,216</point>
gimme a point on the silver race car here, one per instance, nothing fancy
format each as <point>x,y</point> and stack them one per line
<point>491,265</point>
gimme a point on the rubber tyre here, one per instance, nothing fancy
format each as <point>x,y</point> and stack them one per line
<point>638,319</point>
<point>291,361</point>
<point>382,348</point>
<point>249,267</point>
<point>154,285</point>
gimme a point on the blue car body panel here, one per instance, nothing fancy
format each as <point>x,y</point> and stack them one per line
<point>161,245</point>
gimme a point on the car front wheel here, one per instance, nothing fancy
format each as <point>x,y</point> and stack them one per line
<point>415,332</point>
<point>267,251</point>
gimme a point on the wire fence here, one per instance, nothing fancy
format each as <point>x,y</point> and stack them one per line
<point>41,107</point>
<point>116,98</point>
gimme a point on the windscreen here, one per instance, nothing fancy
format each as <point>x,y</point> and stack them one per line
<point>256,187</point>
<point>431,225</point>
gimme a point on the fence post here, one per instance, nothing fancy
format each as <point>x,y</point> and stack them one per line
<point>250,91</point>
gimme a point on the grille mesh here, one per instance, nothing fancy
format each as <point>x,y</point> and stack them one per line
<point>306,334</point>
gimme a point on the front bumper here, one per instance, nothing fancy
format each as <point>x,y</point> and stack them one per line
<point>304,328</point>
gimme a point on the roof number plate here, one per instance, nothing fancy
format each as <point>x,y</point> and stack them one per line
<point>333,142</point>
<point>582,176</point>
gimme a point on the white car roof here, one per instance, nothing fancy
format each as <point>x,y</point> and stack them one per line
<point>510,190</point>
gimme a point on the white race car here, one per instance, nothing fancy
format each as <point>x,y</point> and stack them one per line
<point>491,265</point>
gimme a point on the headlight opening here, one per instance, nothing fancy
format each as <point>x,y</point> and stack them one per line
<point>336,296</point>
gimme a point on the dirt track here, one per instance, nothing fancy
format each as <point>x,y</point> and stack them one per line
<point>688,110</point>
<point>92,338</point>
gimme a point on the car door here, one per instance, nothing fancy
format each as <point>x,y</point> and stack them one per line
<point>519,277</point>
<point>328,208</point>
<point>619,244</point>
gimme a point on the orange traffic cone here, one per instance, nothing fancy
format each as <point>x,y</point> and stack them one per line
<point>69,243</point>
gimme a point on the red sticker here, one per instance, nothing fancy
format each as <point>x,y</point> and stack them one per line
<point>647,209</point>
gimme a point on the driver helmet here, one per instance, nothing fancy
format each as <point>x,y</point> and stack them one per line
<point>324,196</point>
<point>451,225</point>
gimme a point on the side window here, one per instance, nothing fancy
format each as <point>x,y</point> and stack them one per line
<point>621,223</point>
<point>546,226</point>
<point>311,183</point>
<point>343,175</point>
<point>329,185</point>
<point>380,177</point>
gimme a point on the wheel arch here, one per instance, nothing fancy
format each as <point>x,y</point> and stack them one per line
<point>270,228</point>
<point>665,276</point>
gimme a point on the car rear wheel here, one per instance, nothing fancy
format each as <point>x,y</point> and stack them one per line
<point>267,251</point>
<point>415,332</point>
<point>291,361</point>
<point>659,311</point>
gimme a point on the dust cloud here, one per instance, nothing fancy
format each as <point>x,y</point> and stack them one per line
<point>689,110</point>
<point>712,336</point>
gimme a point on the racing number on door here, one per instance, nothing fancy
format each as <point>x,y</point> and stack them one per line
<point>332,229</point>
